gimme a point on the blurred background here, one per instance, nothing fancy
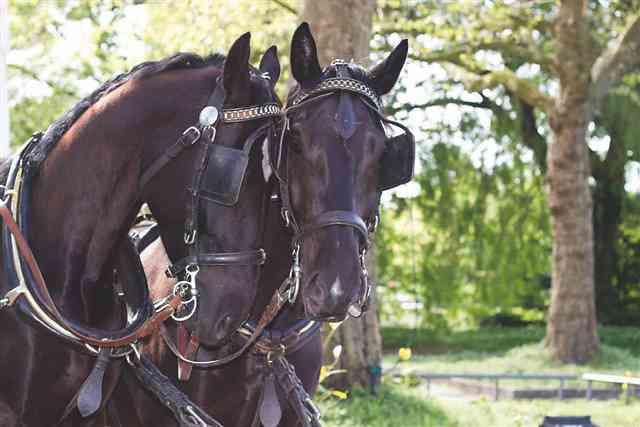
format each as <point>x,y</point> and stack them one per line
<point>464,257</point>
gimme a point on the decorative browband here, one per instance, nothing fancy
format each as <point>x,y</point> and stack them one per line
<point>244,114</point>
<point>350,85</point>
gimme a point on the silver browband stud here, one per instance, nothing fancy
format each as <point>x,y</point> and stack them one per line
<point>208,116</point>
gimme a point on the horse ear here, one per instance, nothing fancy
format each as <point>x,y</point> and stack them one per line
<point>304,56</point>
<point>236,67</point>
<point>270,64</point>
<point>384,75</point>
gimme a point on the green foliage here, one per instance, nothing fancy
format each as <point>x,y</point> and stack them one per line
<point>61,50</point>
<point>497,57</point>
<point>196,26</point>
<point>479,238</point>
<point>484,340</point>
<point>493,340</point>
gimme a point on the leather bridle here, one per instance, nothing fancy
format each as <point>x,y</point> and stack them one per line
<point>332,218</point>
<point>210,119</point>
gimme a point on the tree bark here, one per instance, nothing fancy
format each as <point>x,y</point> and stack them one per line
<point>571,327</point>
<point>342,29</point>
<point>607,215</point>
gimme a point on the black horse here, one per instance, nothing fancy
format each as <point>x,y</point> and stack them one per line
<point>88,175</point>
<point>336,169</point>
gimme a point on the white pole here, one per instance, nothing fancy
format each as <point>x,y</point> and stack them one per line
<point>4,98</point>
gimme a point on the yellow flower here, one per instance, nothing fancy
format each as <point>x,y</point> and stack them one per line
<point>404,354</point>
<point>323,373</point>
<point>339,394</point>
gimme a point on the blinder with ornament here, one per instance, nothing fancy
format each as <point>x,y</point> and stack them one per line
<point>226,167</point>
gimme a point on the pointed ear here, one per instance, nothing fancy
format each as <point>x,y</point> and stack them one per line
<point>304,56</point>
<point>384,75</point>
<point>270,64</point>
<point>236,68</point>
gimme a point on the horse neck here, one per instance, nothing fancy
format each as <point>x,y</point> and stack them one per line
<point>86,193</point>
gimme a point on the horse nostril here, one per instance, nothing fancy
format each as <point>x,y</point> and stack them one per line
<point>223,328</point>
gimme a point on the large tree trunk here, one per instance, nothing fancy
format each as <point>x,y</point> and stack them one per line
<point>608,199</point>
<point>342,29</point>
<point>571,327</point>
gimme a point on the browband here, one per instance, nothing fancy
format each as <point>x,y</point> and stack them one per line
<point>337,83</point>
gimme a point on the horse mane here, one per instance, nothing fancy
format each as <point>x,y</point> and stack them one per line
<point>58,128</point>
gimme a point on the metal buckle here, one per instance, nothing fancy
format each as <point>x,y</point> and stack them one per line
<point>135,351</point>
<point>285,216</point>
<point>192,129</point>
<point>294,274</point>
<point>279,352</point>
<point>359,307</point>
<point>194,418</point>
<point>187,292</point>
<point>190,236</point>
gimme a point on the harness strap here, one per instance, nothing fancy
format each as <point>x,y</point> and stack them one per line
<point>331,218</point>
<point>270,312</point>
<point>186,413</point>
<point>188,138</point>
<point>252,257</point>
<point>53,316</point>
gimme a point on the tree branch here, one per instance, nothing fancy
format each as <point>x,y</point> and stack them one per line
<point>621,57</point>
<point>440,102</point>
<point>53,85</point>
<point>506,48</point>
<point>522,88</point>
<point>530,135</point>
<point>286,6</point>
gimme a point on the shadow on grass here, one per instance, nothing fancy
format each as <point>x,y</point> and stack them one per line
<point>392,406</point>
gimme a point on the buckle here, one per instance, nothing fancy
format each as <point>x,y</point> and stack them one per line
<point>190,236</point>
<point>189,130</point>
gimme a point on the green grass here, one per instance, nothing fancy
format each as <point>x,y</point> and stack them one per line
<point>530,413</point>
<point>411,407</point>
<point>405,402</point>
<point>393,406</point>
<point>531,358</point>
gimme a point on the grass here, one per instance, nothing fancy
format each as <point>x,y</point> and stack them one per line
<point>393,406</point>
<point>531,358</point>
<point>410,407</point>
<point>530,413</point>
<point>490,350</point>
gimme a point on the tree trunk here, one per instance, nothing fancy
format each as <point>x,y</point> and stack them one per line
<point>4,101</point>
<point>342,29</point>
<point>608,198</point>
<point>571,327</point>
